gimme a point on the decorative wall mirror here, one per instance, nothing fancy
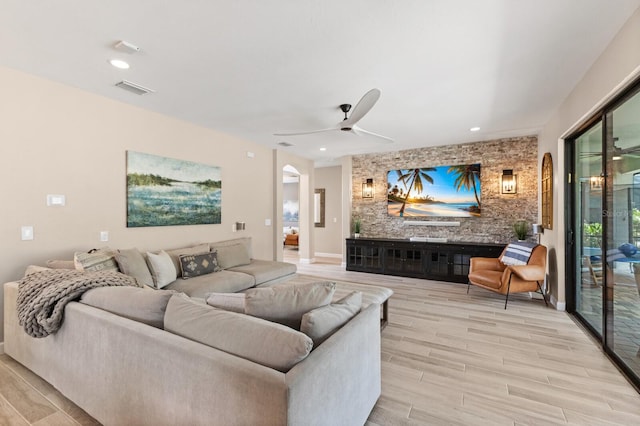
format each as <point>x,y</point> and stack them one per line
<point>547,191</point>
<point>318,208</point>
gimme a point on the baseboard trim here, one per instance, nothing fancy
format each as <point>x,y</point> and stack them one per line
<point>333,255</point>
<point>307,261</point>
<point>560,306</point>
<point>2,348</point>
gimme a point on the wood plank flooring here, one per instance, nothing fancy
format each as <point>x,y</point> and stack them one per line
<point>448,358</point>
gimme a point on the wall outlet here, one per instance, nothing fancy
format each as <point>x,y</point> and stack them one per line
<point>233,227</point>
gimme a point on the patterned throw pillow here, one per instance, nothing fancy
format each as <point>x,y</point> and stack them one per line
<point>96,260</point>
<point>194,265</point>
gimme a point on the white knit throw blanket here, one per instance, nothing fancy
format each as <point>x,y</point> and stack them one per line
<point>43,295</point>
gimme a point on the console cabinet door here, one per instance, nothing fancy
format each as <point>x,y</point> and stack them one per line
<point>404,261</point>
<point>364,257</point>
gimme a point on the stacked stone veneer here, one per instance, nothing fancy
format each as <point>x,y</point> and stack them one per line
<point>499,211</point>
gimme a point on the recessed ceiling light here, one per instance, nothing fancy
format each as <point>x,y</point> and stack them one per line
<point>118,63</point>
<point>323,149</point>
<point>474,129</point>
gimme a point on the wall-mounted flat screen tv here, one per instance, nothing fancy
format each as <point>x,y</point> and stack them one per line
<point>446,191</point>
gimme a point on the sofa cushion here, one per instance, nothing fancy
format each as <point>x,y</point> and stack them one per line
<point>287,303</point>
<point>233,255</point>
<point>175,254</point>
<point>138,304</point>
<point>233,302</point>
<point>266,270</point>
<point>162,269</point>
<point>265,343</point>
<point>321,323</point>
<point>223,282</point>
<point>132,263</point>
<point>96,260</point>
<point>194,265</point>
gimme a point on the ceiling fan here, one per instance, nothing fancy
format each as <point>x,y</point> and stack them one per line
<point>348,124</point>
<point>617,151</point>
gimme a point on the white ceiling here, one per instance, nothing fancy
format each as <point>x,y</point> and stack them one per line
<point>253,67</point>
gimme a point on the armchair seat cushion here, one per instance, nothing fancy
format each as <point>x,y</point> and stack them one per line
<point>486,278</point>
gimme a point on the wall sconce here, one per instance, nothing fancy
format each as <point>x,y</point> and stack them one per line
<point>367,189</point>
<point>508,184</point>
<point>595,183</point>
<point>240,226</point>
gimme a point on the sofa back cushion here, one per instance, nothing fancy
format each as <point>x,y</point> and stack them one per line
<point>254,339</point>
<point>321,323</point>
<point>132,263</point>
<point>284,303</point>
<point>138,304</point>
<point>232,255</point>
<point>245,241</point>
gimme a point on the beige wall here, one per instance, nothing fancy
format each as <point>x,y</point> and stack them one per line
<point>328,240</point>
<point>59,140</point>
<point>619,64</point>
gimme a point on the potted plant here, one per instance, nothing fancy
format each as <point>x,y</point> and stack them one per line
<point>356,227</point>
<point>521,228</point>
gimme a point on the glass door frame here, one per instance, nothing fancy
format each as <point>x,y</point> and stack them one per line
<point>603,115</point>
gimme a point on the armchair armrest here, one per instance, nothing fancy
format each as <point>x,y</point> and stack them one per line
<point>528,272</point>
<point>485,263</point>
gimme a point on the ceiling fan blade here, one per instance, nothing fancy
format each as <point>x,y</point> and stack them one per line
<point>309,132</point>
<point>362,108</point>
<point>358,130</point>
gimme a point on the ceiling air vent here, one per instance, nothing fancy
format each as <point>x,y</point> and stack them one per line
<point>285,144</point>
<point>134,88</point>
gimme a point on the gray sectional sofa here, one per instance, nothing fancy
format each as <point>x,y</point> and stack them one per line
<point>206,366</point>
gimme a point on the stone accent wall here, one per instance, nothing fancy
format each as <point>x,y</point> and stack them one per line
<point>499,211</point>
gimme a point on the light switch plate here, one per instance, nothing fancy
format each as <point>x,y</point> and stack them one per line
<point>104,235</point>
<point>27,233</point>
<point>56,200</point>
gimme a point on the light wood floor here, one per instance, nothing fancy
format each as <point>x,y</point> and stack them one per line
<point>448,358</point>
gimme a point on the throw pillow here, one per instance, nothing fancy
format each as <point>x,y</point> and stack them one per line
<point>132,263</point>
<point>287,303</point>
<point>138,304</point>
<point>321,323</point>
<point>61,264</point>
<point>233,302</point>
<point>233,255</point>
<point>265,343</point>
<point>193,265</point>
<point>175,254</point>
<point>162,269</point>
<point>96,260</point>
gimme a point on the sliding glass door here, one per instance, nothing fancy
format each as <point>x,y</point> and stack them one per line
<point>604,193</point>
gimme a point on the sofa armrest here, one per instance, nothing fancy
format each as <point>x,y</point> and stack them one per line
<point>340,381</point>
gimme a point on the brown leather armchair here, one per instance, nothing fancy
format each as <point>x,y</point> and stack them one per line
<point>492,274</point>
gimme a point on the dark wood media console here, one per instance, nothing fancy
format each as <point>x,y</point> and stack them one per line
<point>418,259</point>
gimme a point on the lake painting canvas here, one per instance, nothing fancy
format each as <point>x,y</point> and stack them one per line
<point>446,191</point>
<point>164,191</point>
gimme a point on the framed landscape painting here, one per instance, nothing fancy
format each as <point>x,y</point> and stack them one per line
<point>164,191</point>
<point>446,191</point>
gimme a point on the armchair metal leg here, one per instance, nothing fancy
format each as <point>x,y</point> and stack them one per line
<point>542,293</point>
<point>468,286</point>
<point>506,299</point>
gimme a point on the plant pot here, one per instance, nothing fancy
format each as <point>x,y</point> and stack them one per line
<point>356,235</point>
